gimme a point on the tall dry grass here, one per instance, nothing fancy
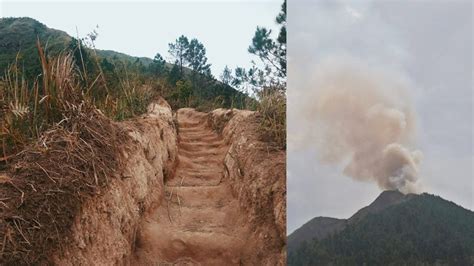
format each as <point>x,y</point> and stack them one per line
<point>132,97</point>
<point>28,108</point>
<point>272,108</point>
<point>57,150</point>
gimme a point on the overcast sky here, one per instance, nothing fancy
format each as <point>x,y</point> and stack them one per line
<point>430,42</point>
<point>143,28</point>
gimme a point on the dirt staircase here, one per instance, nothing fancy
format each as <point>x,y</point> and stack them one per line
<point>198,223</point>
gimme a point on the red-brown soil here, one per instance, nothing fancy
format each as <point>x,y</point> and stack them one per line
<point>199,219</point>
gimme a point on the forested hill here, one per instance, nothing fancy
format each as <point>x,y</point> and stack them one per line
<point>18,37</point>
<point>183,85</point>
<point>395,229</point>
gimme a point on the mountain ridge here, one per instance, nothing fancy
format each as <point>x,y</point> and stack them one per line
<point>9,33</point>
<point>18,49</point>
<point>321,227</point>
<point>423,228</point>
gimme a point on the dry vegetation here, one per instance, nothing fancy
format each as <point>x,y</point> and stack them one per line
<point>47,182</point>
<point>272,107</point>
<point>57,150</point>
<point>28,110</point>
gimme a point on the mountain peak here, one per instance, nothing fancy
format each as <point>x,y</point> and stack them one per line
<point>426,228</point>
<point>386,199</point>
<point>391,192</point>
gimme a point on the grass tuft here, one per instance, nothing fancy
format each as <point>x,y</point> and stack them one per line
<point>27,110</point>
<point>272,107</point>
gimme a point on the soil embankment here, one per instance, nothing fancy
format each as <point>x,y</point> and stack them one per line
<point>105,230</point>
<point>256,172</point>
<point>225,204</point>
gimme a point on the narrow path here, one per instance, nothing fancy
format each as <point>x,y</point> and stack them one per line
<point>198,222</point>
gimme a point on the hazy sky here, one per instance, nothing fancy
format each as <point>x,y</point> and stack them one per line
<point>430,43</point>
<point>143,28</point>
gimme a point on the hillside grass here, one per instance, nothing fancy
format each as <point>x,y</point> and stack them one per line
<point>57,149</point>
<point>29,108</point>
<point>272,108</point>
<point>18,38</point>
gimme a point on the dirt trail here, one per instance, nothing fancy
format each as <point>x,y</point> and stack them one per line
<point>199,221</point>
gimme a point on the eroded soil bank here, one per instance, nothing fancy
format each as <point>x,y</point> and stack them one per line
<point>105,230</point>
<point>256,172</point>
<point>225,204</point>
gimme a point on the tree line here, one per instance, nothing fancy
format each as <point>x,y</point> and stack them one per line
<point>188,76</point>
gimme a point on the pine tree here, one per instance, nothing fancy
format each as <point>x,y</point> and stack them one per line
<point>157,67</point>
<point>178,50</point>
<point>195,56</point>
<point>271,52</point>
<point>226,76</point>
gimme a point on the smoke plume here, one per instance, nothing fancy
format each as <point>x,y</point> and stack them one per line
<point>362,118</point>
